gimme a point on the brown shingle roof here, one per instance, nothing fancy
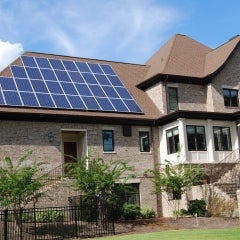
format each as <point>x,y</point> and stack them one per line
<point>183,56</point>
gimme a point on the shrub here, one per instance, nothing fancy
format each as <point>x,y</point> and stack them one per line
<point>49,216</point>
<point>147,213</point>
<point>131,211</point>
<point>197,207</point>
<point>220,206</point>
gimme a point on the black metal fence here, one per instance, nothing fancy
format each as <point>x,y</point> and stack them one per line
<point>56,223</point>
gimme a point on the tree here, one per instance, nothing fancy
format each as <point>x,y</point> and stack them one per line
<point>96,177</point>
<point>19,184</point>
<point>176,179</point>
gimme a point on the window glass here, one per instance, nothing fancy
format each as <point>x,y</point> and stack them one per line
<point>222,138</point>
<point>196,138</point>
<point>230,97</point>
<point>144,142</point>
<point>108,143</point>
<point>172,140</point>
<point>173,99</point>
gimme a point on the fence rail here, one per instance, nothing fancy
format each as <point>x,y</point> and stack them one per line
<point>56,223</point>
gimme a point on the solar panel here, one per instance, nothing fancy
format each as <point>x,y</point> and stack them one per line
<point>64,84</point>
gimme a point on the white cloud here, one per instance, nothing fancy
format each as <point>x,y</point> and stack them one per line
<point>9,52</point>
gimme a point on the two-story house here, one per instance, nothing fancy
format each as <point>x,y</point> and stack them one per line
<point>186,95</point>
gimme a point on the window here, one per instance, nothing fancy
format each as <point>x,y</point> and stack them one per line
<point>144,142</point>
<point>196,138</point>
<point>230,97</point>
<point>173,99</point>
<point>108,143</point>
<point>222,139</point>
<point>172,140</point>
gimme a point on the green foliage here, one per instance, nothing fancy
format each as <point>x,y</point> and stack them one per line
<point>50,216</point>
<point>19,183</point>
<point>147,213</point>
<point>176,179</point>
<point>197,207</point>
<point>131,211</point>
<point>95,177</point>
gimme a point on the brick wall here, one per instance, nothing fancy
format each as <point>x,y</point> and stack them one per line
<point>17,137</point>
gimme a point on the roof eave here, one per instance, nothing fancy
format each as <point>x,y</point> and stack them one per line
<point>197,115</point>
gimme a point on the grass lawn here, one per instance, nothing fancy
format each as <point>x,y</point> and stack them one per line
<point>188,234</point>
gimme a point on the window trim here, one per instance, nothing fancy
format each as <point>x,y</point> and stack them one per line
<point>141,143</point>
<point>195,138</point>
<point>112,143</point>
<point>221,138</point>
<point>230,91</point>
<point>172,140</point>
<point>176,96</point>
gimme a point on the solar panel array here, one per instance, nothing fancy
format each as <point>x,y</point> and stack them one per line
<point>63,84</point>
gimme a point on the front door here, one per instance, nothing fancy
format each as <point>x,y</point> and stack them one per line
<point>70,153</point>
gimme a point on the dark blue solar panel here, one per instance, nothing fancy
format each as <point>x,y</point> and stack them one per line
<point>43,63</point>
<point>1,98</point>
<point>29,61</point>
<point>54,87</point>
<point>23,84</point>
<point>76,102</point>
<point>39,86</point>
<point>102,79</point>
<point>83,67</point>
<point>18,72</point>
<point>115,81</point>
<point>29,99</point>
<point>89,78</point>
<point>60,101</point>
<point>45,100</point>
<point>69,65</point>
<point>48,74</point>
<point>107,69</point>
<point>83,89</point>
<point>91,103</point>
<point>12,98</point>
<point>95,68</point>
<point>7,84</point>
<point>97,91</point>
<point>56,64</point>
<point>119,105</point>
<point>62,76</point>
<point>132,106</point>
<point>110,92</point>
<point>55,83</point>
<point>105,104</point>
<point>33,73</point>
<point>69,88</point>
<point>123,92</point>
<point>76,77</point>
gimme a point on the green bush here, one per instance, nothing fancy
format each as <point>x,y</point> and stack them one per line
<point>131,211</point>
<point>197,207</point>
<point>147,213</point>
<point>49,216</point>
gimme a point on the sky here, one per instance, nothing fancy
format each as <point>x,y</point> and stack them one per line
<point>115,30</point>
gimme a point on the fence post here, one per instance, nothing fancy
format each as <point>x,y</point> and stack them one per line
<point>21,223</point>
<point>5,224</point>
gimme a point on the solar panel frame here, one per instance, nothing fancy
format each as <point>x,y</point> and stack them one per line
<point>23,84</point>
<point>56,64</point>
<point>43,63</point>
<point>28,61</point>
<point>8,83</point>
<point>18,71</point>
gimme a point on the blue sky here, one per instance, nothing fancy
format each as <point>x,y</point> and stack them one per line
<point>118,30</point>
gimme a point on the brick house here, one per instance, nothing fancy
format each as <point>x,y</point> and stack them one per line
<point>186,94</point>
